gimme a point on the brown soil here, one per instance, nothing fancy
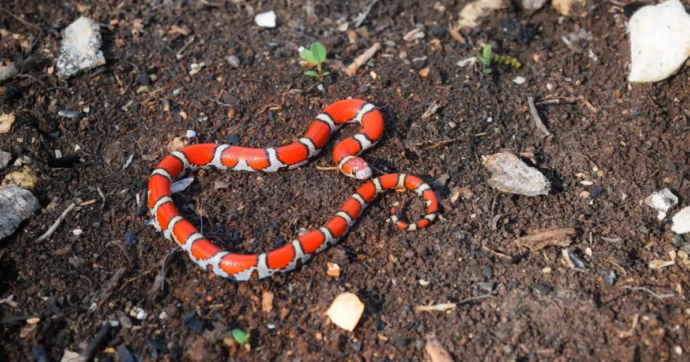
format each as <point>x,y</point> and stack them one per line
<point>627,139</point>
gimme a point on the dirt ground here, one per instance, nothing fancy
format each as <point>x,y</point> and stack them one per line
<point>625,139</point>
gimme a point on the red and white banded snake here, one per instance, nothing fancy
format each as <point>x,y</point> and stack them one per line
<point>240,267</point>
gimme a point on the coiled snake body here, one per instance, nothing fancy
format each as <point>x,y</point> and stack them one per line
<point>240,267</point>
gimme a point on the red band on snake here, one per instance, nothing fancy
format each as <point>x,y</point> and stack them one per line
<point>240,267</point>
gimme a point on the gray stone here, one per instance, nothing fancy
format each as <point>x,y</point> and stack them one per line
<point>511,175</point>
<point>17,205</point>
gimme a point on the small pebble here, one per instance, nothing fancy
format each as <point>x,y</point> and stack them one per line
<point>234,61</point>
<point>596,191</point>
<point>38,352</point>
<point>144,79</point>
<point>141,315</point>
<point>191,133</point>
<point>542,289</point>
<point>232,139</point>
<point>124,354</point>
<point>357,346</point>
<point>71,114</point>
<point>131,238</point>
<point>487,272</point>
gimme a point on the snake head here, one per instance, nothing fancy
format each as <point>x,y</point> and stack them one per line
<point>357,168</point>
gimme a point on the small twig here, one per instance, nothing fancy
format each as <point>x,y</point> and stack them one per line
<point>100,192</point>
<point>473,299</point>
<point>498,254</point>
<point>19,19</point>
<point>649,291</point>
<point>330,168</point>
<point>567,100</point>
<point>363,16</point>
<point>362,59</point>
<point>443,307</point>
<point>589,105</point>
<point>536,118</point>
<point>56,224</point>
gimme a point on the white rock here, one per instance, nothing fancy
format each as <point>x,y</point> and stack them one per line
<point>519,80</point>
<point>16,205</point>
<point>141,314</point>
<point>70,356</point>
<point>80,48</point>
<point>662,201</point>
<point>468,61</point>
<point>532,4</point>
<point>681,221</point>
<point>191,133</point>
<point>509,174</point>
<point>266,20</point>
<point>659,41</point>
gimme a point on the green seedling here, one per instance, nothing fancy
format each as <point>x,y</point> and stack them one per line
<point>242,338</point>
<point>315,57</point>
<point>486,57</point>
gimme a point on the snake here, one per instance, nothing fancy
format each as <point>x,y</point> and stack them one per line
<point>241,267</point>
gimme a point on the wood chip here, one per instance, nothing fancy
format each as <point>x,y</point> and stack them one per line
<point>346,311</point>
<point>660,264</point>
<point>552,237</point>
<point>333,270</point>
<point>267,301</point>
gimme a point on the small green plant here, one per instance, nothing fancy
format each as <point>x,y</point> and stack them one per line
<point>315,57</point>
<point>486,57</point>
<point>242,338</point>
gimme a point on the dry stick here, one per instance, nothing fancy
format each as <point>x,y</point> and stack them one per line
<point>443,307</point>
<point>19,19</point>
<point>56,224</point>
<point>536,118</point>
<point>330,168</point>
<point>473,299</point>
<point>362,59</point>
<point>658,296</point>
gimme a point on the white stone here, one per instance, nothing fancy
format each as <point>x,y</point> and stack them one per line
<point>266,20</point>
<point>191,133</point>
<point>662,201</point>
<point>80,48</point>
<point>681,221</point>
<point>659,41</point>
<point>519,80</point>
